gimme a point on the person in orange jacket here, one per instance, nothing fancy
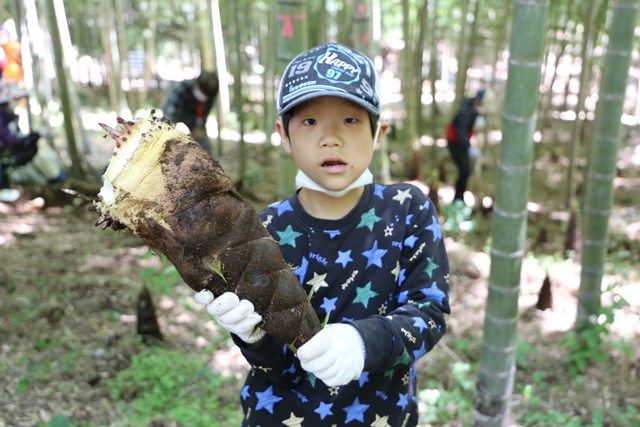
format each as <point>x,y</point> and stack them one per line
<point>12,70</point>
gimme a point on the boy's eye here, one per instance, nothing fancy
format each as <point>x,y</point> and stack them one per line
<point>350,120</point>
<point>309,122</point>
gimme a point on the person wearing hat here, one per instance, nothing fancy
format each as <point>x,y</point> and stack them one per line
<point>458,134</point>
<point>190,102</point>
<point>371,257</point>
<point>15,149</point>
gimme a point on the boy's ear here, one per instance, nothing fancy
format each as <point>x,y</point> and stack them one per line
<point>283,136</point>
<point>384,127</point>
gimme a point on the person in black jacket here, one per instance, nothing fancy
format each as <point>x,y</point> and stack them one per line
<point>190,102</point>
<point>458,136</point>
<point>15,149</point>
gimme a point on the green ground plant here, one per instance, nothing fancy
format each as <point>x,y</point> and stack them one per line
<point>446,404</point>
<point>586,344</point>
<point>166,384</point>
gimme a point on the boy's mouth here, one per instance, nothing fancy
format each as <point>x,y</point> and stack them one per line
<point>333,165</point>
<point>333,162</point>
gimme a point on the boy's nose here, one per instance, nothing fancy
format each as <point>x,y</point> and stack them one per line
<point>331,137</point>
<point>331,141</point>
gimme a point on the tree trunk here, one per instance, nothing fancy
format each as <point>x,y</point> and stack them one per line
<point>76,169</point>
<point>238,93</point>
<point>268,54</point>
<point>291,21</point>
<point>221,65</point>
<point>581,111</point>
<point>461,52</point>
<point>123,55</point>
<point>112,63</point>
<point>149,50</point>
<point>497,358</point>
<point>433,75</point>
<point>408,88</point>
<point>601,169</point>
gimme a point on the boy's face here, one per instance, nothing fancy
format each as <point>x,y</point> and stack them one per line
<point>330,140</point>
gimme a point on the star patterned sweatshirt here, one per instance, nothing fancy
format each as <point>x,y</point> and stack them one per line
<point>382,268</point>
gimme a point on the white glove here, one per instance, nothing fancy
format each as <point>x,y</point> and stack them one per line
<point>474,153</point>
<point>235,315</point>
<point>335,354</point>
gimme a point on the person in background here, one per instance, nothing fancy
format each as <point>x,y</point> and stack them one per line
<point>25,158</point>
<point>12,70</point>
<point>190,102</point>
<point>458,135</point>
<point>15,149</point>
<point>371,256</point>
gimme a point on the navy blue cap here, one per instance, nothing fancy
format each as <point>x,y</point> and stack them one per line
<point>330,70</point>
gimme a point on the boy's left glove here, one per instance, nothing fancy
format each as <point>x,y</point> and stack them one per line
<point>335,354</point>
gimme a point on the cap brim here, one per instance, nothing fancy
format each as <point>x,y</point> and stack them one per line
<point>339,94</point>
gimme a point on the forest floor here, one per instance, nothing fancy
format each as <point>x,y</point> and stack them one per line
<point>69,292</point>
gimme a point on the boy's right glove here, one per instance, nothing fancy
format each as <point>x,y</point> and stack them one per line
<point>335,354</point>
<point>235,315</point>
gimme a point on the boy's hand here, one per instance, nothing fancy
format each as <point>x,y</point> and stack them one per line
<point>235,315</point>
<point>335,354</point>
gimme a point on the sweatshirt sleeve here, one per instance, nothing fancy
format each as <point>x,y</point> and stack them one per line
<point>272,359</point>
<point>415,326</point>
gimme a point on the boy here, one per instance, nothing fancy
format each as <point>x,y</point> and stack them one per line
<point>371,256</point>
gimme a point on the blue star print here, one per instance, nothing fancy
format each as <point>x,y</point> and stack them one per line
<point>409,218</point>
<point>329,304</point>
<point>344,258</point>
<point>435,228</point>
<point>403,297</point>
<point>402,277</point>
<point>374,255</point>
<point>417,354</point>
<point>245,392</point>
<point>410,241</point>
<point>355,411</point>
<point>283,207</point>
<point>419,323</point>
<point>434,293</point>
<point>402,400</point>
<point>266,399</point>
<point>377,191</point>
<point>332,233</point>
<point>291,370</point>
<point>324,409</point>
<point>302,270</point>
<point>364,378</point>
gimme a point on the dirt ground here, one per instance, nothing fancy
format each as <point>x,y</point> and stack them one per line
<point>68,293</point>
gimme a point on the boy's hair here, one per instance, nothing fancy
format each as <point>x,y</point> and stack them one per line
<point>330,70</point>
